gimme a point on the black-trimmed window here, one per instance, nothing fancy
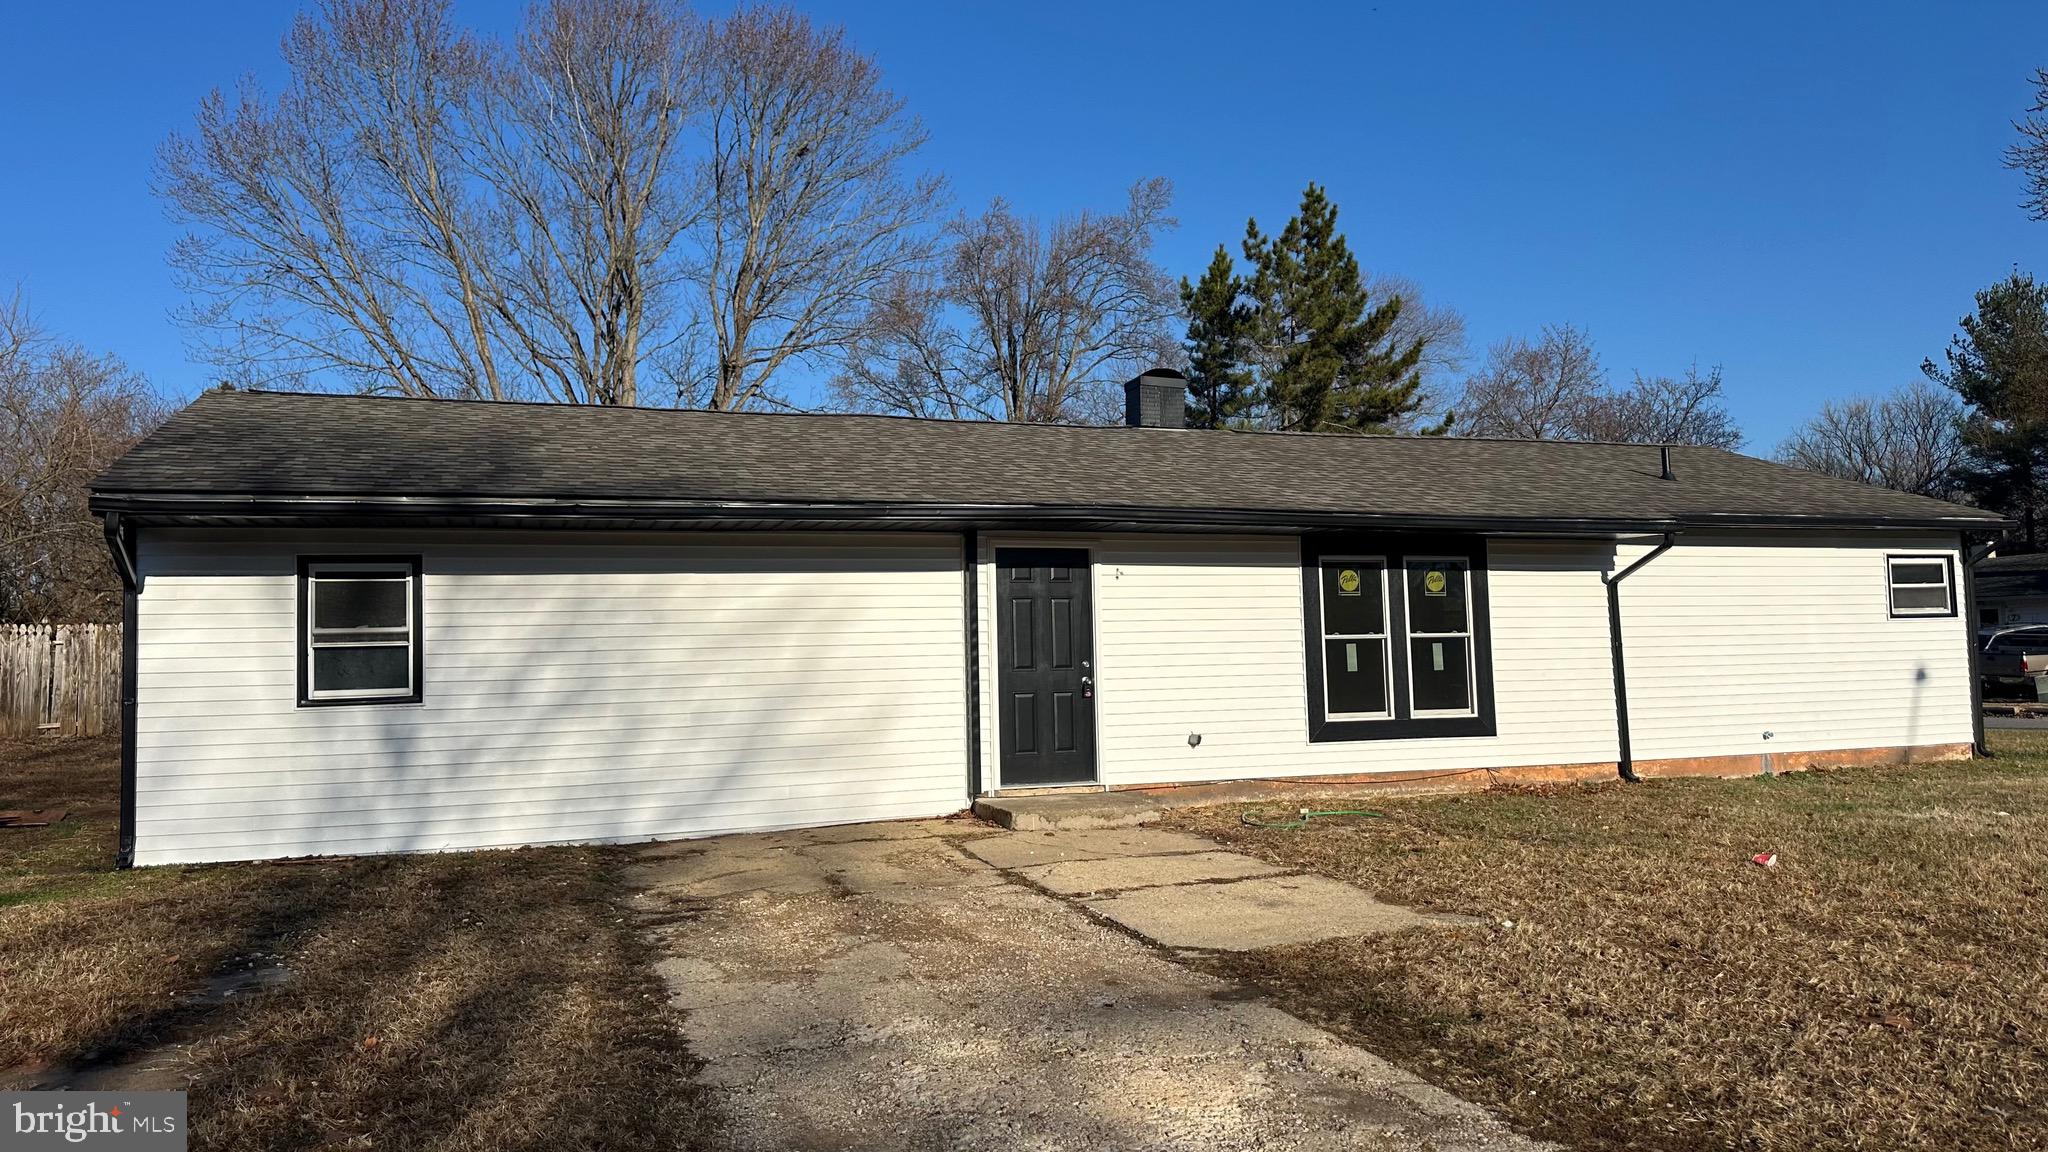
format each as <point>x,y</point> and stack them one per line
<point>1398,644</point>
<point>359,630</point>
<point>1920,585</point>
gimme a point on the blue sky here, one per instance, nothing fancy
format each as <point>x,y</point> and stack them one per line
<point>1806,195</point>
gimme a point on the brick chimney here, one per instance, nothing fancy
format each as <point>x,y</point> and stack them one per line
<point>1157,398</point>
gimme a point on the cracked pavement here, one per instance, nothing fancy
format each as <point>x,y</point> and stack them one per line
<point>946,985</point>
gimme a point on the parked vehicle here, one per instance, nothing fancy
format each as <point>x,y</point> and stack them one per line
<point>2002,655</point>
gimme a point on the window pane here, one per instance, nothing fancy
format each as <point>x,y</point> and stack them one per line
<point>346,603</point>
<point>1920,597</point>
<point>1439,672</point>
<point>1920,572</point>
<point>387,668</point>
<point>1354,676</point>
<point>1436,596</point>
<point>1351,598</point>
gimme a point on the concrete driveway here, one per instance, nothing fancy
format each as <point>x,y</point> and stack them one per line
<point>945,985</point>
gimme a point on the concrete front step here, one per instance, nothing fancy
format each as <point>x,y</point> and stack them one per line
<point>1069,811</point>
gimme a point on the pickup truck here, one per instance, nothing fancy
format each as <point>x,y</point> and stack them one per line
<point>2002,653</point>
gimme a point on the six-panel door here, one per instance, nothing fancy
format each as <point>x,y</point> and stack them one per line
<point>1045,653</point>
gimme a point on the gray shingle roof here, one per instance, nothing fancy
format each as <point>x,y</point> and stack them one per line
<point>234,444</point>
<point>2022,575</point>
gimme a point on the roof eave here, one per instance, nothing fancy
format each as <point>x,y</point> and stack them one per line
<point>203,507</point>
<point>1986,525</point>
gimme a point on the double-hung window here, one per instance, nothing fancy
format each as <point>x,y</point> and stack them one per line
<point>1398,640</point>
<point>359,630</point>
<point>1920,585</point>
<point>1440,636</point>
<point>1358,679</point>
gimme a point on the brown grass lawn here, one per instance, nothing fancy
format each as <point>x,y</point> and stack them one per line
<point>1886,986</point>
<point>486,1000</point>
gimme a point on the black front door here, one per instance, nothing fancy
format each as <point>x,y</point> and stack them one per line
<point>1045,653</point>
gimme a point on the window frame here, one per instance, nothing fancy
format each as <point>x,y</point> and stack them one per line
<point>415,630</point>
<point>1410,635</point>
<point>1948,584</point>
<point>1385,636</point>
<point>1396,550</point>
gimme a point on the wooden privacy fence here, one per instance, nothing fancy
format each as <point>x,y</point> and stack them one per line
<point>60,679</point>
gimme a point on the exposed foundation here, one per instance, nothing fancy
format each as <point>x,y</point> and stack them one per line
<point>1477,779</point>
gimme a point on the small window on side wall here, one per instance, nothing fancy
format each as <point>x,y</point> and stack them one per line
<point>359,630</point>
<point>1920,585</point>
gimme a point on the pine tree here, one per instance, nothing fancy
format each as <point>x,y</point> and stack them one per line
<point>1326,359</point>
<point>1999,366</point>
<point>1220,383</point>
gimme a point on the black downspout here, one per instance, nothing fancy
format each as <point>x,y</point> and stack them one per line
<point>1626,760</point>
<point>1970,558</point>
<point>121,542</point>
<point>970,551</point>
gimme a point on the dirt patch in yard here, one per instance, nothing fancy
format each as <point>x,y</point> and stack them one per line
<point>1640,983</point>
<point>481,1000</point>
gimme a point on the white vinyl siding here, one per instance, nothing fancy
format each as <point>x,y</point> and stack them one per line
<point>1733,636</point>
<point>1728,637</point>
<point>2011,610</point>
<point>606,687</point>
<point>1203,635</point>
<point>578,688</point>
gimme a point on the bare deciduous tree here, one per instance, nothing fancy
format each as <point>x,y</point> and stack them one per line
<point>335,229</point>
<point>1555,389</point>
<point>430,212</point>
<point>1026,323</point>
<point>1688,409</point>
<point>1440,329</point>
<point>1534,391</point>
<point>2029,157</point>
<point>65,414</point>
<point>1911,440</point>
<point>809,215</point>
<point>581,141</point>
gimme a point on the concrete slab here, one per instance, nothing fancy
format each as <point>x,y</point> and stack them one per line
<point>833,1011</point>
<point>881,830</point>
<point>1069,811</point>
<point>902,864</point>
<point>916,870</point>
<point>1082,877</point>
<point>1022,849</point>
<point>1248,915</point>
<point>717,869</point>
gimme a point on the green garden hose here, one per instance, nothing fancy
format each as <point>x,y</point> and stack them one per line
<point>1251,817</point>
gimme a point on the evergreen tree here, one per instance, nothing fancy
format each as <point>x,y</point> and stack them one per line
<point>1324,350</point>
<point>1999,366</point>
<point>1220,383</point>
